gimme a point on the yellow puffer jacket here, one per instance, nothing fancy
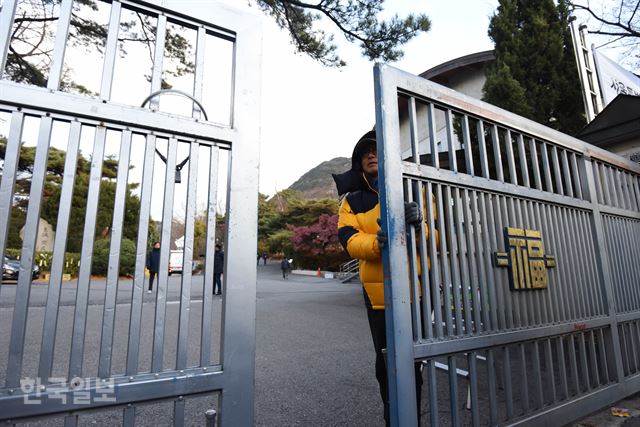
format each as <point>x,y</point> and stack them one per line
<point>357,228</point>
<point>357,231</point>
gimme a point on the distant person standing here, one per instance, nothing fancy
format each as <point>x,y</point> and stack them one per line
<point>153,264</point>
<point>264,258</point>
<point>218,267</point>
<point>284,266</point>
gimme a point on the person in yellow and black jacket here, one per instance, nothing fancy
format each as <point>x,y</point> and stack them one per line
<point>359,233</point>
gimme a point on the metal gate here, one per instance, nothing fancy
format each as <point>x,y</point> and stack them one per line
<point>79,346</point>
<point>524,296</point>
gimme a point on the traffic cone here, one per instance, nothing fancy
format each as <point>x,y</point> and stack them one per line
<point>319,273</point>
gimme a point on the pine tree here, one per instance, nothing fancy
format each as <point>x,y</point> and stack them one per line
<point>535,73</point>
<point>358,20</point>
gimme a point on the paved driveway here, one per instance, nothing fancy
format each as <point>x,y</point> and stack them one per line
<point>314,357</point>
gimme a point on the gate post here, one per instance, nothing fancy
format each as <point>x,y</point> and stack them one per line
<point>397,301</point>
<point>239,312</point>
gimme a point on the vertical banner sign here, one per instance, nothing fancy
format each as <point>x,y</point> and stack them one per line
<point>615,80</point>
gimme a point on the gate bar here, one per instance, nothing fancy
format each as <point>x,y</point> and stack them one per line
<point>178,412</point>
<point>84,274</point>
<point>556,170</point>
<point>10,167</point>
<point>455,258</point>
<point>207,297</point>
<point>464,253</point>
<point>524,166</point>
<point>442,258</point>
<point>62,34</point>
<point>483,306</point>
<point>473,388</point>
<point>466,138</point>
<point>499,291</point>
<point>508,390</point>
<point>137,290</point>
<point>567,174</point>
<point>484,163</point>
<point>628,269</point>
<point>497,155</point>
<point>453,390</point>
<point>433,132</point>
<point>570,254</point>
<point>198,78</point>
<point>58,259</point>
<point>413,263</point>
<point>434,271</point>
<point>158,57</point>
<point>423,198</point>
<point>537,376</point>
<point>471,249</point>
<point>490,283</point>
<point>513,176</point>
<point>533,149</point>
<point>551,375</point>
<point>7,13</point>
<point>187,259</point>
<point>576,173</point>
<point>562,300</point>
<point>579,227</point>
<point>113,269</point>
<point>111,51</point>
<point>23,290</point>
<point>453,162</point>
<point>163,271</point>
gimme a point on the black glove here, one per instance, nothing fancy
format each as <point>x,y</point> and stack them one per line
<point>412,213</point>
<point>381,237</point>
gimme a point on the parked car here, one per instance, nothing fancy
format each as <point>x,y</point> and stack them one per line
<point>11,267</point>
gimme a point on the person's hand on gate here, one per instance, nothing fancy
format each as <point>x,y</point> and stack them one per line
<point>412,213</point>
<point>381,237</point>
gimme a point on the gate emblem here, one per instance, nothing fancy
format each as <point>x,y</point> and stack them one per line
<point>525,259</point>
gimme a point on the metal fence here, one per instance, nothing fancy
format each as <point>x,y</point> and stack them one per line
<point>524,286</point>
<point>76,347</point>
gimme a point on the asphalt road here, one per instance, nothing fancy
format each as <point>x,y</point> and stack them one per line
<point>314,357</point>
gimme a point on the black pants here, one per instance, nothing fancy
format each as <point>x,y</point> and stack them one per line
<point>152,274</point>
<point>378,333</point>
<point>217,283</point>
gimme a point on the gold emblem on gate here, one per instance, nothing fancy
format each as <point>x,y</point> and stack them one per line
<point>525,259</point>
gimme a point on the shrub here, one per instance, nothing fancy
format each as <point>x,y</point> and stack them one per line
<point>318,245</point>
<point>101,257</point>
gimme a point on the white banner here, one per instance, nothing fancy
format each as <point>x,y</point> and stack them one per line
<point>614,80</point>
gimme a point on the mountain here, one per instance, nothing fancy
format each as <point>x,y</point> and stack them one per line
<point>318,183</point>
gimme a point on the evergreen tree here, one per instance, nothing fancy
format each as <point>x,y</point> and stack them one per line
<point>535,73</point>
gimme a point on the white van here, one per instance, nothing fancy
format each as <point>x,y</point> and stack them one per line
<point>175,261</point>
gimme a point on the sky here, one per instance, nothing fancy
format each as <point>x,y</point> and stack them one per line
<point>311,113</point>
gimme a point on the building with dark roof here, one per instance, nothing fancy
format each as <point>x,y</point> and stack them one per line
<point>616,128</point>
